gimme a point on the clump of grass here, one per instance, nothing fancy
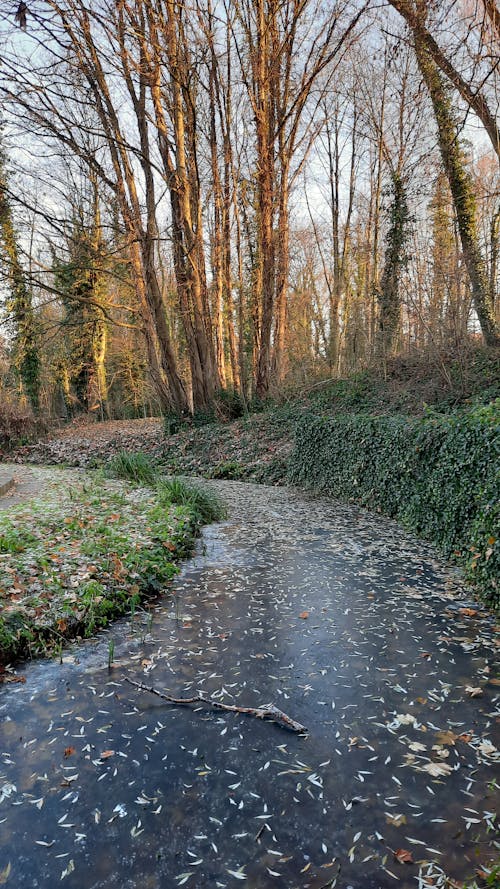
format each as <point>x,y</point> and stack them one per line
<point>13,540</point>
<point>204,505</point>
<point>137,468</point>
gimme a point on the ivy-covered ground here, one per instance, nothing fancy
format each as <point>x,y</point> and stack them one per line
<point>80,552</point>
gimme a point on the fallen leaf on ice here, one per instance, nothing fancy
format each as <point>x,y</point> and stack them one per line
<point>69,870</point>
<point>403,856</point>
<point>396,820</point>
<point>436,768</point>
<point>447,737</point>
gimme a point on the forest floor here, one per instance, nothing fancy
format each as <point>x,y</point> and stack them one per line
<point>257,446</point>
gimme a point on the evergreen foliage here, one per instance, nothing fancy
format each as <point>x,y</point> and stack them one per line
<point>19,303</point>
<point>396,258</point>
<point>439,475</point>
<point>79,280</point>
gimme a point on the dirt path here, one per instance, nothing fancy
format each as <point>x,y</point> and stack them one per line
<point>345,623</point>
<point>26,484</point>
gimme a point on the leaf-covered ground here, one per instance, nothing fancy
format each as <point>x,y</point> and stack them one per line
<point>255,447</point>
<point>84,549</point>
<point>347,624</point>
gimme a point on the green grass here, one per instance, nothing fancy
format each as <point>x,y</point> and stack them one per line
<point>137,468</point>
<point>79,557</point>
<point>14,540</point>
<point>203,504</point>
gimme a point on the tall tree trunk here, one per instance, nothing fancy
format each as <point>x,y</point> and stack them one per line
<point>219,209</point>
<point>179,156</point>
<point>20,305</point>
<point>389,293</point>
<point>282,272</point>
<point>494,256</point>
<point>462,190</point>
<point>265,123</point>
<point>415,17</point>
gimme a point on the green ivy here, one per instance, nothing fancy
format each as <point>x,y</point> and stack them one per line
<point>439,475</point>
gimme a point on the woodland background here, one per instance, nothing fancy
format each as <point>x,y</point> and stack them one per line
<point>204,204</point>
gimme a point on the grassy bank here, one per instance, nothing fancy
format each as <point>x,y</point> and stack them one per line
<point>439,475</point>
<point>73,559</point>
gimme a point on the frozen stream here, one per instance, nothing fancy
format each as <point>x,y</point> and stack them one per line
<point>344,622</point>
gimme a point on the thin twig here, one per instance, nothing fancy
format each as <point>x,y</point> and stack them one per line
<point>269,711</point>
<point>259,832</point>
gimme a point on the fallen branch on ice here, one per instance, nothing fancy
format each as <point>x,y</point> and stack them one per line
<point>269,711</point>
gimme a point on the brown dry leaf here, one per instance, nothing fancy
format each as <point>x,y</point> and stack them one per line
<point>8,677</point>
<point>107,754</point>
<point>304,615</point>
<point>403,856</point>
<point>494,681</point>
<point>69,751</point>
<point>465,737</point>
<point>447,737</point>
<point>473,692</point>
<point>395,820</point>
<point>468,612</point>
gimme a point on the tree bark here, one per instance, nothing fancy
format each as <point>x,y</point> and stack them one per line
<point>462,191</point>
<point>472,97</point>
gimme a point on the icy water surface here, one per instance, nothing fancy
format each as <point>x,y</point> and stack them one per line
<point>344,622</point>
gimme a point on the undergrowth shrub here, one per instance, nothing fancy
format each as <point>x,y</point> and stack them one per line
<point>439,475</point>
<point>134,467</point>
<point>204,505</point>
<point>18,426</point>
